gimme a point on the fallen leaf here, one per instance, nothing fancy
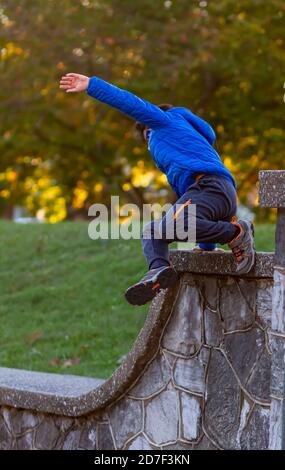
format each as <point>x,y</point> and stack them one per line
<point>55,361</point>
<point>33,337</point>
<point>71,362</point>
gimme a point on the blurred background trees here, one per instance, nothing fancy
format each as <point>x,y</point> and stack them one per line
<point>60,153</point>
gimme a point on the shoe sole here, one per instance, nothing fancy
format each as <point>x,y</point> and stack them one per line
<point>143,292</point>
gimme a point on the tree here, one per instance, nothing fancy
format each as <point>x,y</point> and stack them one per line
<point>224,60</point>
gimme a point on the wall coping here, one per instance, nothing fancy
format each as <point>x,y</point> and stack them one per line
<point>78,396</point>
<point>220,263</point>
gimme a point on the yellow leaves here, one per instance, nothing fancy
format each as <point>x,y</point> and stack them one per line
<point>30,185</point>
<point>126,73</point>
<point>245,86</point>
<point>140,176</point>
<point>98,188</point>
<point>59,211</point>
<point>43,182</point>
<point>126,186</point>
<point>228,147</point>
<point>228,162</point>
<point>45,198</point>
<point>256,28</point>
<point>10,176</point>
<point>51,193</point>
<point>11,49</point>
<point>141,179</point>
<point>138,150</point>
<point>134,57</point>
<point>44,91</point>
<point>232,164</point>
<point>23,159</point>
<point>254,160</point>
<point>220,129</point>
<point>223,90</point>
<point>5,193</point>
<point>273,132</point>
<point>247,141</point>
<point>241,16</point>
<point>53,212</point>
<point>162,179</point>
<point>80,194</point>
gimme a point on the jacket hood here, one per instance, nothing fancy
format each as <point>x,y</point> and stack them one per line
<point>198,123</point>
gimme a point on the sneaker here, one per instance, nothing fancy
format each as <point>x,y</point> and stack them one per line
<point>243,247</point>
<point>149,286</point>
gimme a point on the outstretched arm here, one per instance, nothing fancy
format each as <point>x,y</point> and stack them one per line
<point>123,100</point>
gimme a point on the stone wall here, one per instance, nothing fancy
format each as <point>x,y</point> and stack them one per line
<point>198,376</point>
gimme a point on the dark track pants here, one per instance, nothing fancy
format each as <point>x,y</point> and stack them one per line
<point>216,204</point>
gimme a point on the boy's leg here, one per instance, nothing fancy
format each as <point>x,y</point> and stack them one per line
<point>215,201</point>
<point>156,250</point>
<point>156,237</point>
<point>211,208</point>
<point>216,205</point>
<point>174,226</point>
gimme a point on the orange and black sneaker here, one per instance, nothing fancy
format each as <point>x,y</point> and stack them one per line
<point>243,247</point>
<point>149,286</point>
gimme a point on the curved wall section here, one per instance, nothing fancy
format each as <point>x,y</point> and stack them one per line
<point>202,374</point>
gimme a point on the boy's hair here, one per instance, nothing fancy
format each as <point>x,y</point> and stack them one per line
<point>141,127</point>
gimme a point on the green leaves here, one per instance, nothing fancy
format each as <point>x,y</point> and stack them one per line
<point>224,60</point>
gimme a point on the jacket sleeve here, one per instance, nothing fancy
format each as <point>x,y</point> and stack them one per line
<point>128,103</point>
<point>199,124</point>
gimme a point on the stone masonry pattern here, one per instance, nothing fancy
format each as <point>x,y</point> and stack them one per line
<point>206,387</point>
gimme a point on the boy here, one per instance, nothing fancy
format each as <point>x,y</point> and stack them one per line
<point>181,144</point>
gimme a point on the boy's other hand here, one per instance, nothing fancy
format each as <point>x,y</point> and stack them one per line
<point>74,82</point>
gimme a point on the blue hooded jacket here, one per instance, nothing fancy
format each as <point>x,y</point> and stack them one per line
<point>181,143</point>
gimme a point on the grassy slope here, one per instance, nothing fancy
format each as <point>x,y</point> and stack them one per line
<point>61,297</point>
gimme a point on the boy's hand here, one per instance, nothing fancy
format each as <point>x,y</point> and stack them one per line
<point>74,82</point>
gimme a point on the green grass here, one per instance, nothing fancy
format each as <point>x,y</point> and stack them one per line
<point>62,307</point>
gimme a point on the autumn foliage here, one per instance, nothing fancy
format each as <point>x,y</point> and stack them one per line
<point>59,154</point>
